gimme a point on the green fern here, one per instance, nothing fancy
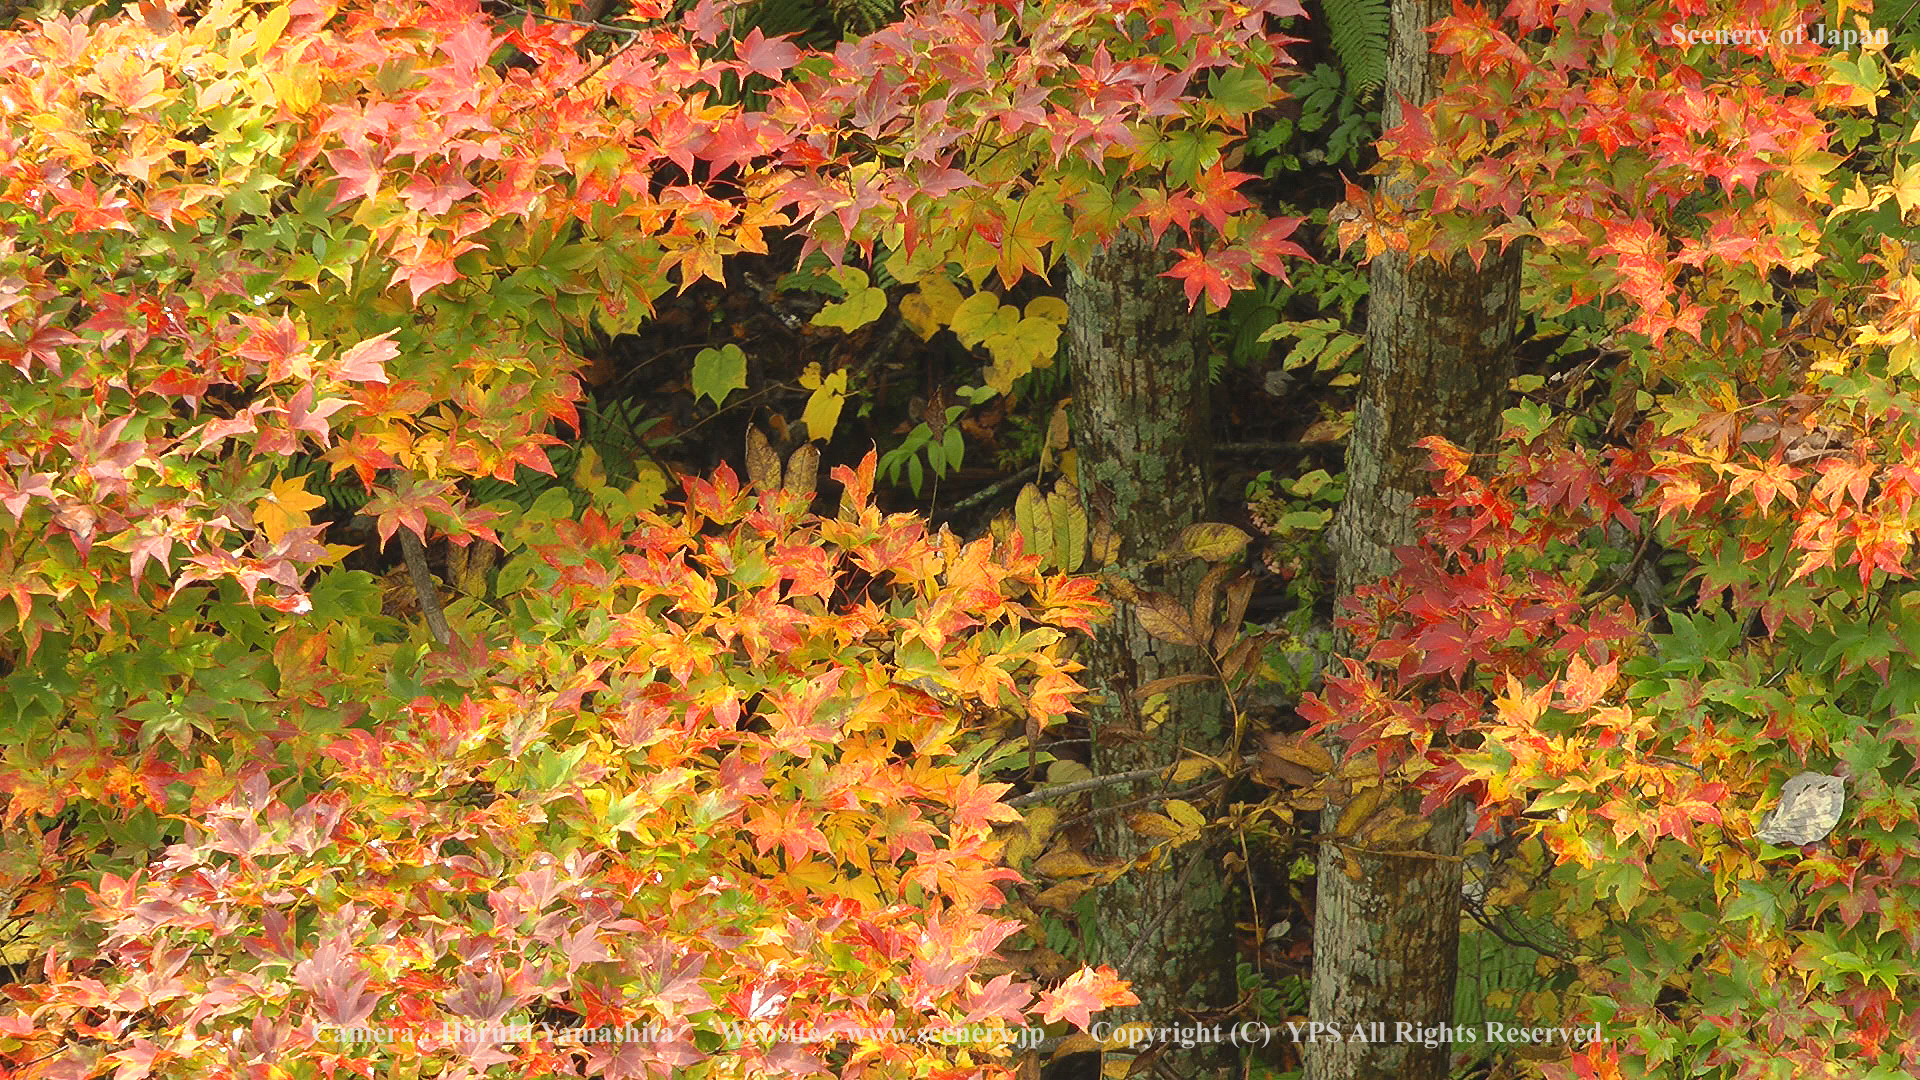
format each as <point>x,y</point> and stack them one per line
<point>806,20</point>
<point>817,24</point>
<point>616,430</point>
<point>341,492</point>
<point>864,16</point>
<point>1357,30</point>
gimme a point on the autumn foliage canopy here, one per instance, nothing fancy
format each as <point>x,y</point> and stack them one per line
<point>721,759</point>
<point>681,764</point>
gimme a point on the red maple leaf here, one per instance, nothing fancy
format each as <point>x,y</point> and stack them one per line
<point>1002,999</point>
<point>975,803</point>
<point>303,414</point>
<point>1270,244</point>
<point>1216,273</point>
<point>1160,210</point>
<point>364,362</point>
<point>761,55</point>
<point>1218,195</point>
<point>359,176</point>
<point>276,344</point>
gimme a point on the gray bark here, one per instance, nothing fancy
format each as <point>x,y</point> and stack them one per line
<point>1439,340</point>
<point>1140,433</point>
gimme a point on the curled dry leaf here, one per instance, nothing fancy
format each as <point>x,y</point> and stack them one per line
<point>1170,682</point>
<point>1157,826</point>
<point>1206,598</point>
<point>1298,749</point>
<point>1358,809</point>
<point>1105,546</point>
<point>1065,864</point>
<point>1392,828</point>
<point>1192,769</point>
<point>1062,896</point>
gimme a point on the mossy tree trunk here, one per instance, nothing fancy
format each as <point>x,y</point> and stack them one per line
<point>1141,436</point>
<point>1439,340</point>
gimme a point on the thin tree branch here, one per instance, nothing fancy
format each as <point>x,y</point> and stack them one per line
<point>1157,796</point>
<point>1177,894</point>
<point>564,21</point>
<point>1517,941</point>
<point>1239,449</point>
<point>984,495</point>
<point>1624,582</point>
<point>1077,786</point>
<point>1387,853</point>
<point>415,554</point>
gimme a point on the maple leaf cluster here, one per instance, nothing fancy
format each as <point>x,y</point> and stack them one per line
<point>740,791</point>
<point>301,211</point>
<point>1600,140</point>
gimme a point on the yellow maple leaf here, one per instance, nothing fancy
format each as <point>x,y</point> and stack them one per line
<point>1905,187</point>
<point>285,507</point>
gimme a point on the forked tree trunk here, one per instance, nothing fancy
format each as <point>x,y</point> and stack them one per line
<point>1439,340</point>
<point>1140,433</point>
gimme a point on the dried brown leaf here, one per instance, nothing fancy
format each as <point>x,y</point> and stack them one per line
<point>1165,618</point>
<point>763,465</point>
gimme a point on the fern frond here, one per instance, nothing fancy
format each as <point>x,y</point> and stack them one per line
<point>1358,30</point>
<point>807,20</point>
<point>341,491</point>
<point>863,16</point>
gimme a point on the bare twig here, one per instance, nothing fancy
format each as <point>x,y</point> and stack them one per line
<point>1177,894</point>
<point>1157,796</point>
<point>1256,448</point>
<point>1516,940</point>
<point>983,496</point>
<point>1077,786</point>
<point>564,21</point>
<point>1404,853</point>
<point>1625,580</point>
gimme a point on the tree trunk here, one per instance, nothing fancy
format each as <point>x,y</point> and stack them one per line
<point>1439,339</point>
<point>1141,436</point>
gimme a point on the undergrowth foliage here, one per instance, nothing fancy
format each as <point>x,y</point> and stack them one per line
<point>743,789</point>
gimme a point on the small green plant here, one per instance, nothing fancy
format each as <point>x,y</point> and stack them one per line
<point>1335,126</point>
<point>1274,1001</point>
<point>1325,345</point>
<point>1294,512</point>
<point>1316,305</point>
<point>1293,508</point>
<point>943,451</point>
<point>1271,1000</point>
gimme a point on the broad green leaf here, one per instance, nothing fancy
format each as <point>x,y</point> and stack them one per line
<point>862,305</point>
<point>982,316</point>
<point>719,372</point>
